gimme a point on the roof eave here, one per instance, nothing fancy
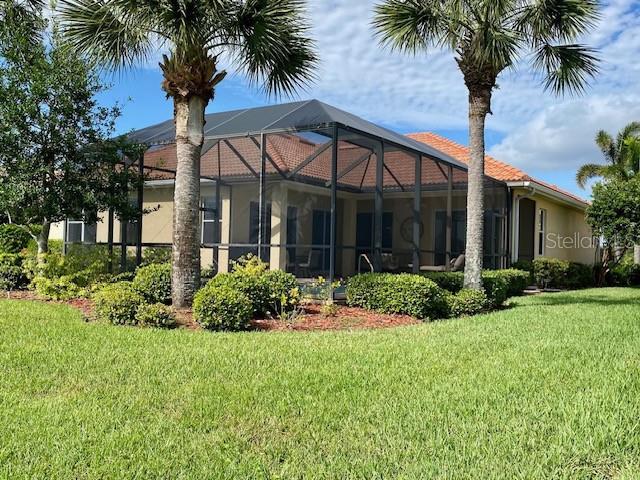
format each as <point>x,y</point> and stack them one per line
<point>549,192</point>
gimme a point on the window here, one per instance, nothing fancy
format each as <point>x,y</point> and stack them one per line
<point>80,232</point>
<point>542,230</point>
<point>209,219</point>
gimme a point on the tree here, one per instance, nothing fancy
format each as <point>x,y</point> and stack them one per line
<point>622,155</point>
<point>487,37</point>
<point>266,39</point>
<point>614,216</point>
<point>56,158</point>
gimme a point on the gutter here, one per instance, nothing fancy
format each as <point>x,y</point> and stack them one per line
<point>549,192</point>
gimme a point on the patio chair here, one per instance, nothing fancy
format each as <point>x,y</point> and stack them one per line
<point>312,263</point>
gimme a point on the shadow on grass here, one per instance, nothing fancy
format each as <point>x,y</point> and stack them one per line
<point>579,297</point>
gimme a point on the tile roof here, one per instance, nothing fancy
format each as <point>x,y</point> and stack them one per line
<point>288,151</point>
<point>492,167</point>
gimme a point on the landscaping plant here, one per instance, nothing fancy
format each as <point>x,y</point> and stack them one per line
<point>117,303</point>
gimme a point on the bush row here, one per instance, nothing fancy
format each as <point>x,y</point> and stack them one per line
<point>498,284</point>
<point>435,294</point>
<point>403,293</point>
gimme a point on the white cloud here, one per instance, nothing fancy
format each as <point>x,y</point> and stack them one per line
<point>426,91</point>
<point>561,137</point>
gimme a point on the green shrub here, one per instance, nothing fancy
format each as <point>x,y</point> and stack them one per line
<point>467,302</point>
<point>526,265</point>
<point>579,275</point>
<point>496,287</point>
<point>283,291</point>
<point>450,281</point>
<point>265,289</point>
<point>402,293</point>
<point>498,284</point>
<point>249,275</point>
<point>555,273</point>
<point>550,272</point>
<point>62,288</point>
<point>155,315</point>
<point>153,282</point>
<point>11,273</point>
<point>13,239</point>
<point>222,307</point>
<point>151,255</point>
<point>117,303</point>
<point>625,274</point>
<point>517,280</point>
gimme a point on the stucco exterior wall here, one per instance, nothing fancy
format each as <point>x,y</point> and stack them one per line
<point>567,236</point>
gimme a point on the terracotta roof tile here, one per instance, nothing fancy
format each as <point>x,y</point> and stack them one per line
<point>492,167</point>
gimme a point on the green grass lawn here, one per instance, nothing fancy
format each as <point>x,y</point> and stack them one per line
<point>548,388</point>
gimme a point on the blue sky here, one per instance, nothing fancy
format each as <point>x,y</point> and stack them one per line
<point>547,136</point>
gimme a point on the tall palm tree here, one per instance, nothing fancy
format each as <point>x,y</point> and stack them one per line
<point>265,39</point>
<point>623,161</point>
<point>486,37</point>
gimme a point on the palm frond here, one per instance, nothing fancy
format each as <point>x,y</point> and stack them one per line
<point>411,25</point>
<point>589,172</point>
<point>567,68</point>
<point>547,21</point>
<point>116,33</point>
<point>271,44</point>
<point>607,146</point>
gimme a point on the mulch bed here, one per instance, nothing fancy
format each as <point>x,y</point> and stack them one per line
<point>346,318</point>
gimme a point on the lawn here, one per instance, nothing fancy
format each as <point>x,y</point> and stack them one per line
<point>547,388</point>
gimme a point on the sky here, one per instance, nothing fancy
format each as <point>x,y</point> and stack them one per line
<point>547,136</point>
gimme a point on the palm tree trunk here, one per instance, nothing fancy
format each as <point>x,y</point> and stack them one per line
<point>479,107</point>
<point>189,120</point>
<point>43,241</point>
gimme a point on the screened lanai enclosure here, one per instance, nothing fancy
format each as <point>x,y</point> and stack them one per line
<point>317,191</point>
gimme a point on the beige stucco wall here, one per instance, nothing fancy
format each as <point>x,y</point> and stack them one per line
<point>568,237</point>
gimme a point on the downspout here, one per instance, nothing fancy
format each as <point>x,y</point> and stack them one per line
<point>516,219</point>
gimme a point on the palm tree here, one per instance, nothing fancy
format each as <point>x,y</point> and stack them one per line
<point>623,161</point>
<point>622,155</point>
<point>487,37</point>
<point>265,39</point>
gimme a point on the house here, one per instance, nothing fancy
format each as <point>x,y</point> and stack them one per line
<point>315,190</point>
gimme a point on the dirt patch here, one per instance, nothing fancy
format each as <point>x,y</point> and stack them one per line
<point>346,318</point>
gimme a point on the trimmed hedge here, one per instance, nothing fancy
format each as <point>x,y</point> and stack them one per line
<point>222,307</point>
<point>117,303</point>
<point>498,284</point>
<point>153,282</point>
<point>555,273</point>
<point>155,315</point>
<point>13,239</point>
<point>402,293</point>
<point>451,281</point>
<point>467,302</point>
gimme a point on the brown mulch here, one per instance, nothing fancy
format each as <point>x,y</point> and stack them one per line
<point>346,318</point>
<point>83,304</point>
